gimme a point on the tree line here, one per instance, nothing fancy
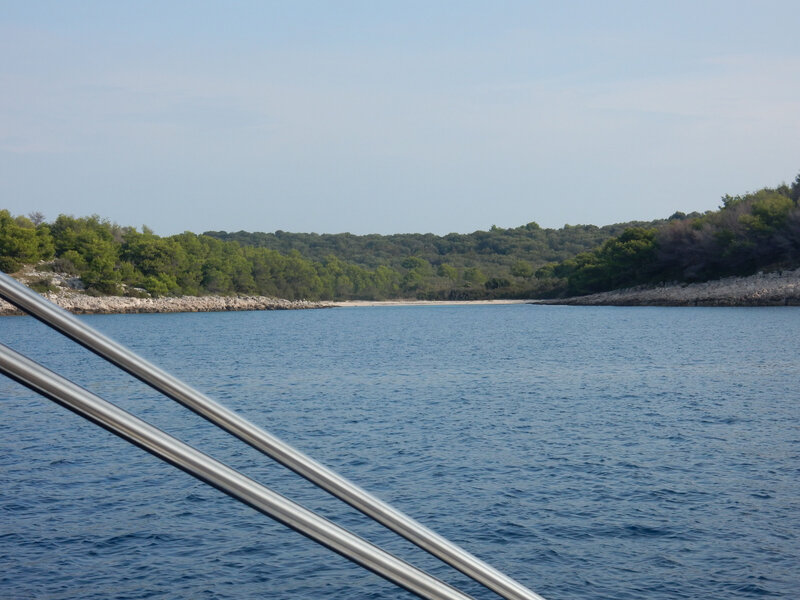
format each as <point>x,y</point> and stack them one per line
<point>109,259</point>
<point>496,263</point>
<point>751,232</point>
<point>117,260</point>
<point>495,252</point>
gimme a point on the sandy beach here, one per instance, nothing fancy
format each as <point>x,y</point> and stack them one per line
<point>361,303</point>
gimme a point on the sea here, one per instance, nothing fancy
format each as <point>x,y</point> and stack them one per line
<point>588,452</point>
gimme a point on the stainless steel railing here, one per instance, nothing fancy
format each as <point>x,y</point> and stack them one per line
<point>206,468</point>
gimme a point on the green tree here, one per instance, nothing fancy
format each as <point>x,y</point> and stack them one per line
<point>447,271</point>
<point>768,212</point>
<point>420,265</point>
<point>47,248</point>
<point>497,283</point>
<point>19,243</point>
<point>522,269</point>
<point>412,281</point>
<point>625,260</point>
<point>474,275</point>
<point>301,279</point>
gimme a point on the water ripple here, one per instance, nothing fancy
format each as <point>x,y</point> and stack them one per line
<point>591,453</point>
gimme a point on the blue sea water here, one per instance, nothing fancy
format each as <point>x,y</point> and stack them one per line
<point>588,452</point>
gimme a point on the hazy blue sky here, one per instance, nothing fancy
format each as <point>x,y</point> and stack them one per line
<point>393,117</point>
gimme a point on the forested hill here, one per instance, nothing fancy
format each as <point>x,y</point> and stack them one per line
<point>106,258</point>
<point>757,231</point>
<point>495,252</point>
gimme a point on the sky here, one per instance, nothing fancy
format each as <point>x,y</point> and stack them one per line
<point>393,117</point>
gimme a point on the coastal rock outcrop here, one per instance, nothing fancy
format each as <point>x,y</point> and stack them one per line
<point>83,304</point>
<point>781,288</point>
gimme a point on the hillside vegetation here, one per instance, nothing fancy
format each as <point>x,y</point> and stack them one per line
<point>495,250</point>
<point>110,259</point>
<point>754,232</point>
<point>748,233</point>
<point>498,263</point>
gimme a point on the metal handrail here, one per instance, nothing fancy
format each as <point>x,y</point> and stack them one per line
<point>221,476</point>
<point>59,319</point>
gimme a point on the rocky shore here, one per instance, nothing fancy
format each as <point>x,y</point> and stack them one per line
<point>764,289</point>
<point>781,288</point>
<point>82,304</point>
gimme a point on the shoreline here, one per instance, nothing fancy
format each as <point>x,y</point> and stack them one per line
<point>81,304</point>
<point>364,303</point>
<point>781,288</point>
